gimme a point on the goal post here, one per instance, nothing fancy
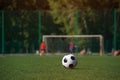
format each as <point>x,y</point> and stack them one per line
<point>56,42</point>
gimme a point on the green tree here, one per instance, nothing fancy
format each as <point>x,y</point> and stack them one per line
<point>63,12</point>
<point>21,28</point>
<point>63,15</point>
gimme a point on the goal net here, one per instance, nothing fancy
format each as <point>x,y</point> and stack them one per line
<point>92,44</point>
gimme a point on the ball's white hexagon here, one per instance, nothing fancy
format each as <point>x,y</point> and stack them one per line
<point>69,61</point>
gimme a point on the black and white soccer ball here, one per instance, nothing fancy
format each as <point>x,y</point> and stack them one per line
<point>69,61</point>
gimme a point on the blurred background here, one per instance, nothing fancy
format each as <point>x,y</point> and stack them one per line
<point>23,23</point>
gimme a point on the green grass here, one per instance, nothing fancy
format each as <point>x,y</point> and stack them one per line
<point>33,67</point>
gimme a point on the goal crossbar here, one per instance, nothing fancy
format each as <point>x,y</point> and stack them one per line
<point>72,36</point>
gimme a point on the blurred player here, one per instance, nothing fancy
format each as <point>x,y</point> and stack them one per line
<point>72,47</point>
<point>42,48</point>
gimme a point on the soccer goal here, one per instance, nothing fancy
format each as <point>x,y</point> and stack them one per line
<point>92,44</point>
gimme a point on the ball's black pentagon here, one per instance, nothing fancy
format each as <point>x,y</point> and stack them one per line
<point>65,60</point>
<point>71,66</point>
<point>72,57</point>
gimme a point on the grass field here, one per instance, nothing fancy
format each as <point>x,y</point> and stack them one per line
<point>34,67</point>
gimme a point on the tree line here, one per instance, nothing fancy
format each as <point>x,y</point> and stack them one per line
<point>59,17</point>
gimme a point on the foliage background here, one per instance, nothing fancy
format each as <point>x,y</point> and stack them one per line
<point>57,17</point>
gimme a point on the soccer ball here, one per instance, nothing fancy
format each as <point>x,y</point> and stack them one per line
<point>69,61</point>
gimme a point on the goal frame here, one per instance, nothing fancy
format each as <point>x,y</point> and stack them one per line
<point>101,40</point>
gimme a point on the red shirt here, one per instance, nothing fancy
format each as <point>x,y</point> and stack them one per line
<point>72,45</point>
<point>42,45</point>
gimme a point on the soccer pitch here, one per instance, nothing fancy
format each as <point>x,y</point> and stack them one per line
<point>35,67</point>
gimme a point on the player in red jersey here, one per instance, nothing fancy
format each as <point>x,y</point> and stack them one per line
<point>42,48</point>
